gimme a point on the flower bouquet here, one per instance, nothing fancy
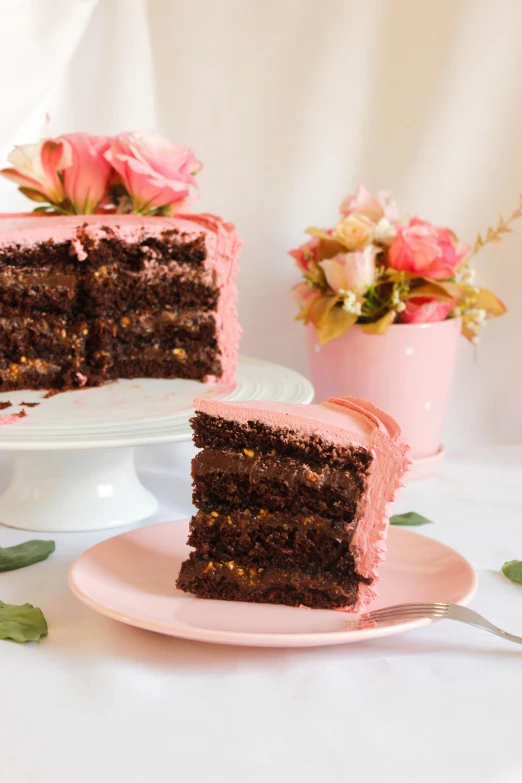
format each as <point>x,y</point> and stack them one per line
<point>384,299</point>
<point>375,269</point>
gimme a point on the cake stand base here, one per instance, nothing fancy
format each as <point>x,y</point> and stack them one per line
<point>58,491</point>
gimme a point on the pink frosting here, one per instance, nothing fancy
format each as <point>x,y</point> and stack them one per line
<point>9,418</point>
<point>221,240</point>
<point>346,421</point>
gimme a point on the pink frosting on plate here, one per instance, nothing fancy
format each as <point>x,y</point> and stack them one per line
<point>221,240</point>
<point>346,421</point>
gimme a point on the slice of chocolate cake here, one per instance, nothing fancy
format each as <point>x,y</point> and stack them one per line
<point>293,501</point>
<point>91,298</point>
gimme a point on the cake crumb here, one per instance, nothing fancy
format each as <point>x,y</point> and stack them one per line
<point>29,404</point>
<point>51,393</point>
<point>4,405</point>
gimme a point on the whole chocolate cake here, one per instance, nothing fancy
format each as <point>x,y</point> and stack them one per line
<point>91,298</point>
<point>293,501</point>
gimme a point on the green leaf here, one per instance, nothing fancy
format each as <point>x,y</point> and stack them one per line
<point>513,570</point>
<point>22,623</point>
<point>22,555</point>
<point>411,518</point>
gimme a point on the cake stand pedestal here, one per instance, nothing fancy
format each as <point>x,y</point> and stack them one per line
<point>56,491</point>
<point>73,454</point>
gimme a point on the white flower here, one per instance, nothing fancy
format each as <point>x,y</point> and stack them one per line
<point>467,276</point>
<point>478,315</point>
<point>385,233</point>
<point>350,303</point>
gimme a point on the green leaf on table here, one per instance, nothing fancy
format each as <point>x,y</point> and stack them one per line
<point>24,623</point>
<point>513,570</point>
<point>410,518</point>
<point>22,555</point>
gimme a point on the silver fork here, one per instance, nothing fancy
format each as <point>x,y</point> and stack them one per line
<point>402,613</point>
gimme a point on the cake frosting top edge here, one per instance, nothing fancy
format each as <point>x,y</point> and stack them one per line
<point>30,228</point>
<point>346,420</point>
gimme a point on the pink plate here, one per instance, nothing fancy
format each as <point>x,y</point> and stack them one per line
<point>131,578</point>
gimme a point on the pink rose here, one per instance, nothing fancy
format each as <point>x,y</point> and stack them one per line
<point>351,271</point>
<point>86,179</point>
<point>363,203</point>
<point>306,253</point>
<point>155,172</point>
<point>425,310</point>
<point>36,169</point>
<point>426,250</point>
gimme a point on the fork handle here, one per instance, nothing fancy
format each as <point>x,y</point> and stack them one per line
<point>464,615</point>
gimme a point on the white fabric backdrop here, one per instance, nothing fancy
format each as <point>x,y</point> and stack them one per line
<point>290,104</point>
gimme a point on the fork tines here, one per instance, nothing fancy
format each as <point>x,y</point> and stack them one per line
<point>405,612</point>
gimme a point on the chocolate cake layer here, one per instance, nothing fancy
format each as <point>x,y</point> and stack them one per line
<point>38,374</point>
<point>155,363</point>
<point>173,245</point>
<point>139,302</point>
<point>161,343</point>
<point>165,327</point>
<point>216,433</point>
<point>48,336</point>
<point>115,289</point>
<point>41,255</point>
<point>226,480</point>
<point>262,538</point>
<point>229,581</point>
<point>37,351</point>
<point>48,288</point>
<point>176,333</point>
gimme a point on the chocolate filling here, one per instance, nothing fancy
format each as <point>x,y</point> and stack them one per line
<point>228,480</point>
<point>261,467</point>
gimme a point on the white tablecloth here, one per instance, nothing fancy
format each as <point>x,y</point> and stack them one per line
<point>100,701</point>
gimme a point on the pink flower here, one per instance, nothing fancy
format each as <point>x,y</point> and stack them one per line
<point>155,172</point>
<point>86,179</point>
<point>305,293</point>
<point>363,203</point>
<point>306,253</point>
<point>36,169</point>
<point>425,310</point>
<point>351,271</point>
<point>426,250</point>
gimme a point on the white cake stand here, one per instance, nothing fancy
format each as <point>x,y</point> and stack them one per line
<point>73,454</point>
